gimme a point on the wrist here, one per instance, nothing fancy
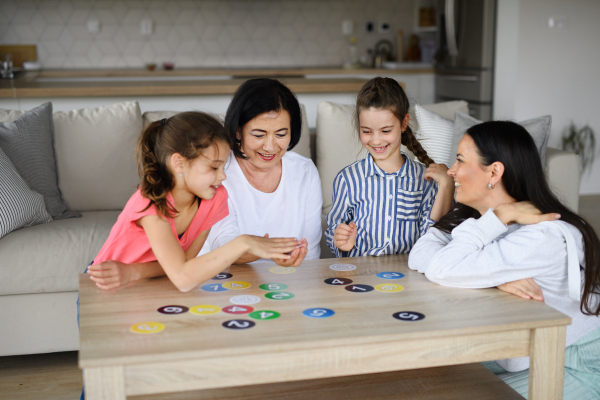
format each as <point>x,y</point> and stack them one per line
<point>503,213</point>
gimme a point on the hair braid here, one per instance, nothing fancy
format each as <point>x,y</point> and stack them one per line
<point>410,141</point>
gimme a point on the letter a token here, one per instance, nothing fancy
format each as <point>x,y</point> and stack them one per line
<point>147,327</point>
<point>236,285</point>
<point>389,287</point>
<point>205,309</point>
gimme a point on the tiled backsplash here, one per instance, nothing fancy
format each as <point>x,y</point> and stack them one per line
<point>226,33</point>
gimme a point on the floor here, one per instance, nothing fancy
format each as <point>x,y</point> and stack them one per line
<point>55,376</point>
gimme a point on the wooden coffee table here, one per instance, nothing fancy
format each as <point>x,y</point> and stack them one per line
<point>195,352</point>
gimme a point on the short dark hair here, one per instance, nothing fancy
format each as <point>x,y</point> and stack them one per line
<point>258,96</point>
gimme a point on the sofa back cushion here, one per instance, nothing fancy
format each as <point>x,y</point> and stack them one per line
<point>95,154</point>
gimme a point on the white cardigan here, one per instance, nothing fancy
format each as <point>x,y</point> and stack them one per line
<point>292,210</point>
<point>482,253</point>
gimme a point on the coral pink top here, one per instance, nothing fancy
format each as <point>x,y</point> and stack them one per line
<point>128,242</point>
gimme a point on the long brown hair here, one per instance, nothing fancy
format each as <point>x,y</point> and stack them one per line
<point>524,180</point>
<point>387,94</point>
<point>188,134</point>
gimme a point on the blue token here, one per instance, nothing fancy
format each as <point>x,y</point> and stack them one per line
<point>214,287</point>
<point>318,312</point>
<point>390,275</point>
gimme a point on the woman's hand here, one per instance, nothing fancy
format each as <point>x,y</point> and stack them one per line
<point>522,212</point>
<point>524,288</point>
<point>439,173</point>
<point>112,274</point>
<point>274,248</point>
<point>344,236</point>
<point>296,256</point>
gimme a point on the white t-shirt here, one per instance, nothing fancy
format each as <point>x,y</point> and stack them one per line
<point>292,210</point>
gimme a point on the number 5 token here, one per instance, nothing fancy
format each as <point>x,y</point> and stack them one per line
<point>236,285</point>
<point>264,314</point>
<point>147,327</point>
<point>279,295</point>
<point>389,287</point>
<point>273,286</point>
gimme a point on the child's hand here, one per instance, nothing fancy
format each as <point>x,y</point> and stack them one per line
<point>296,256</point>
<point>522,212</point>
<point>111,274</point>
<point>265,247</point>
<point>524,288</point>
<point>344,236</point>
<point>439,173</point>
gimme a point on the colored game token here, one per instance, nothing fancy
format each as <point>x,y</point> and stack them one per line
<point>236,285</point>
<point>318,312</point>
<point>238,324</point>
<point>279,295</point>
<point>147,327</point>
<point>214,287</point>
<point>205,309</point>
<point>245,299</point>
<point>172,310</point>
<point>273,286</point>
<point>264,314</point>
<point>408,316</point>
<point>342,267</point>
<point>282,270</point>
<point>338,281</point>
<point>389,287</point>
<point>237,309</point>
<point>390,275</point>
<point>359,288</point>
<point>223,275</point>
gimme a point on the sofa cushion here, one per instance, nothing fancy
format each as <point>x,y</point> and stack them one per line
<point>19,206</point>
<point>47,258</point>
<point>435,135</point>
<point>95,152</point>
<point>28,142</point>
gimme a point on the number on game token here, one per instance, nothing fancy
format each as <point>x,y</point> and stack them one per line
<point>273,286</point>
<point>359,288</point>
<point>237,309</point>
<point>389,287</point>
<point>408,316</point>
<point>318,312</point>
<point>238,324</point>
<point>223,275</point>
<point>172,310</point>
<point>279,295</point>
<point>236,285</point>
<point>245,299</point>
<point>147,327</point>
<point>390,275</point>
<point>342,267</point>
<point>213,287</point>
<point>264,314</point>
<point>338,281</point>
<point>282,270</point>
<point>205,309</point>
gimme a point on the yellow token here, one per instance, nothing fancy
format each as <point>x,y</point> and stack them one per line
<point>205,309</point>
<point>147,327</point>
<point>282,270</point>
<point>389,287</point>
<point>236,285</point>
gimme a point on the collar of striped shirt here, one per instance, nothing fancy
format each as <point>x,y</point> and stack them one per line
<point>408,169</point>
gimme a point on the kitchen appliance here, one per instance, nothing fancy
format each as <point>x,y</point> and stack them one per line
<point>465,54</point>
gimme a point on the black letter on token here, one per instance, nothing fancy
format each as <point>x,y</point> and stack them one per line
<point>238,324</point>
<point>359,288</point>
<point>408,316</point>
<point>222,275</point>
<point>338,281</point>
<point>172,310</point>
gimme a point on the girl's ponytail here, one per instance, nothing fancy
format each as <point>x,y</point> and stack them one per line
<point>408,139</point>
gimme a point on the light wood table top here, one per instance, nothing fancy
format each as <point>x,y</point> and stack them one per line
<point>196,352</point>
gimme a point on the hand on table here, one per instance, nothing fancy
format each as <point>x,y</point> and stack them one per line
<point>111,274</point>
<point>296,256</point>
<point>266,247</point>
<point>523,212</point>
<point>344,236</point>
<point>524,288</point>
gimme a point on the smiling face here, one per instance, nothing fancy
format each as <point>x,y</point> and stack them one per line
<point>204,174</point>
<point>265,139</point>
<point>380,134</point>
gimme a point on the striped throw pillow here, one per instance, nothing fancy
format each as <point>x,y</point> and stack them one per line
<point>434,134</point>
<point>19,206</point>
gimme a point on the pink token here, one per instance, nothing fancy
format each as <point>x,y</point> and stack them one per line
<point>237,309</point>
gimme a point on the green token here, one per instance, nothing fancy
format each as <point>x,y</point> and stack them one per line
<point>279,295</point>
<point>273,286</point>
<point>264,314</point>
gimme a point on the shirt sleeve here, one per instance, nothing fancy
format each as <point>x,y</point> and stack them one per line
<point>425,249</point>
<point>429,195</point>
<point>314,210</point>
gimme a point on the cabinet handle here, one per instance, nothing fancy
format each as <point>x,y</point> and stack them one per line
<point>467,78</point>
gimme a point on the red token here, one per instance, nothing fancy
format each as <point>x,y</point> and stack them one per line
<point>237,309</point>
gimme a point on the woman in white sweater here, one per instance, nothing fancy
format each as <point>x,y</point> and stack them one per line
<point>509,230</point>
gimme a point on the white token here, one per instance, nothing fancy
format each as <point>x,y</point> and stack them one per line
<point>342,267</point>
<point>245,299</point>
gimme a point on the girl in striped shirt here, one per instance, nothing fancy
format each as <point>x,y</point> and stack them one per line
<point>385,202</point>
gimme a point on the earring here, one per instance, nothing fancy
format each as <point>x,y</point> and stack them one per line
<point>180,174</point>
<point>490,186</point>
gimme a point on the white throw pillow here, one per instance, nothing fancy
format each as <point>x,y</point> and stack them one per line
<point>434,135</point>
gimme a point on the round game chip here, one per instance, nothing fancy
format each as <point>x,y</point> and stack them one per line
<point>273,286</point>
<point>223,275</point>
<point>359,288</point>
<point>282,270</point>
<point>236,285</point>
<point>342,267</point>
<point>408,316</point>
<point>390,275</point>
<point>172,310</point>
<point>238,324</point>
<point>318,312</point>
<point>279,295</point>
<point>389,287</point>
<point>237,309</point>
<point>213,287</point>
<point>245,299</point>
<point>264,314</point>
<point>338,281</point>
<point>147,327</point>
<point>205,309</point>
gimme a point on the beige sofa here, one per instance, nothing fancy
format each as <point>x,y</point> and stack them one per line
<point>39,265</point>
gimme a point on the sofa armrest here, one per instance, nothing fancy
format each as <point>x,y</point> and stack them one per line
<point>562,169</point>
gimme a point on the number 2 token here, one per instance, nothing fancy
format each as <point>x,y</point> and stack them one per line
<point>279,295</point>
<point>264,314</point>
<point>205,309</point>
<point>390,275</point>
<point>389,287</point>
<point>147,327</point>
<point>238,324</point>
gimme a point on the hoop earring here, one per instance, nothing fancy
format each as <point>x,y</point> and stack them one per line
<point>490,186</point>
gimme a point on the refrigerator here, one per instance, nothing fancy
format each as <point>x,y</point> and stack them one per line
<point>465,54</point>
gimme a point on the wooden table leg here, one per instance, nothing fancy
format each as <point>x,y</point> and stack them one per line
<point>106,383</point>
<point>547,363</point>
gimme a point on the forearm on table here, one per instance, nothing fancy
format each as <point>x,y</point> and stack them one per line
<point>151,269</point>
<point>246,258</point>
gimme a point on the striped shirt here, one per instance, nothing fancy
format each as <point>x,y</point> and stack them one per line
<point>391,211</point>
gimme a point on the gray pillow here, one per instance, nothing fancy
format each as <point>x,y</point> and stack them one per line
<point>28,141</point>
<point>19,206</point>
<point>538,128</point>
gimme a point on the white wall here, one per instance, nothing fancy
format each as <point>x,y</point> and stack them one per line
<point>556,71</point>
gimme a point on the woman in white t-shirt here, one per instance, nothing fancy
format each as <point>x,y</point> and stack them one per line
<point>272,191</point>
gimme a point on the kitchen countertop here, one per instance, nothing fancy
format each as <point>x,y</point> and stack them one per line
<point>142,82</point>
